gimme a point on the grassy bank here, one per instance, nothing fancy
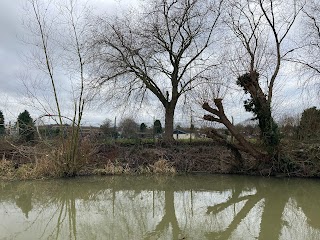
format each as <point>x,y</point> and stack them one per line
<point>38,161</point>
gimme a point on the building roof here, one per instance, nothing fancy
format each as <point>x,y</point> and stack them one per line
<point>178,131</point>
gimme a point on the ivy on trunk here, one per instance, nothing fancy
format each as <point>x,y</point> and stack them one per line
<point>261,109</point>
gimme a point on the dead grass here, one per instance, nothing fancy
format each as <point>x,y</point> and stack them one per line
<point>45,160</point>
<point>6,169</point>
<point>163,166</point>
<point>41,169</point>
<point>51,161</point>
<point>113,169</point>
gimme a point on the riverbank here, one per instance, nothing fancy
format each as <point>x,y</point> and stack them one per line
<point>35,162</point>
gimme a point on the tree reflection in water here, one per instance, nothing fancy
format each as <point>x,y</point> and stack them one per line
<point>169,219</point>
<point>196,207</point>
<point>67,214</point>
<point>23,201</point>
<point>275,193</point>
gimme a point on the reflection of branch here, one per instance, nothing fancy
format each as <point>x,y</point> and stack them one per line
<point>70,211</point>
<point>73,218</point>
<point>67,211</point>
<point>169,217</point>
<point>59,219</point>
<point>236,220</point>
<point>222,206</point>
<point>234,199</point>
<point>45,228</point>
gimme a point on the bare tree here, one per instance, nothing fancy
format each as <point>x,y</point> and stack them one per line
<point>43,35</point>
<point>128,128</point>
<point>308,55</point>
<point>261,27</point>
<point>162,50</point>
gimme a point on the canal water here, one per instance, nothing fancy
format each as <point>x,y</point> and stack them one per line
<point>158,207</point>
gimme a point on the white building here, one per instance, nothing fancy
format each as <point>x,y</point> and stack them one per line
<point>179,134</point>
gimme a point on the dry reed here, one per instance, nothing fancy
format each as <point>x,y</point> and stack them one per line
<point>163,166</point>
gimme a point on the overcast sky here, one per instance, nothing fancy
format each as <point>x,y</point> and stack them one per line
<point>13,68</point>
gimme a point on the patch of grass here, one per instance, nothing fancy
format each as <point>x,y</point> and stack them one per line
<point>113,169</point>
<point>46,160</point>
<point>70,158</point>
<point>162,166</point>
<point>7,169</point>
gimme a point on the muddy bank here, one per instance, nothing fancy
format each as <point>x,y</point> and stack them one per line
<point>207,157</point>
<point>300,160</point>
<point>294,160</point>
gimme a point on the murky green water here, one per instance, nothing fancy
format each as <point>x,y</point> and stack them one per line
<point>182,207</point>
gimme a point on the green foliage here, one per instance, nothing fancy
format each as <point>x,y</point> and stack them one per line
<point>26,126</point>
<point>157,127</point>
<point>143,127</point>
<point>244,80</point>
<point>2,129</point>
<point>261,109</point>
<point>252,104</point>
<point>310,123</point>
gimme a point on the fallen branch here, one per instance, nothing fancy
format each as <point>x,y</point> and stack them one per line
<point>218,115</point>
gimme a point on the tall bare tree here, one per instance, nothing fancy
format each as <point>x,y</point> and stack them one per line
<point>261,28</point>
<point>162,50</point>
<point>43,35</point>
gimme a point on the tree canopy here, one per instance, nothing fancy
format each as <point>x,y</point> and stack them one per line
<point>310,123</point>
<point>128,128</point>
<point>26,126</point>
<point>157,127</point>
<point>261,29</point>
<point>143,127</point>
<point>162,50</point>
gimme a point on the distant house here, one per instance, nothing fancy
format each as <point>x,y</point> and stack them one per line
<point>89,130</point>
<point>53,130</point>
<point>180,134</point>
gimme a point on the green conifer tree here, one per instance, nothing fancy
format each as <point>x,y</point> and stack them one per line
<point>26,126</point>
<point>2,128</point>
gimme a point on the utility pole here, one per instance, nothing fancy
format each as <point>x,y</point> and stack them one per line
<point>191,127</point>
<point>153,132</point>
<point>232,137</point>
<point>115,133</point>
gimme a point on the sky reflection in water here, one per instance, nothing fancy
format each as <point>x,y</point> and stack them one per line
<point>181,207</point>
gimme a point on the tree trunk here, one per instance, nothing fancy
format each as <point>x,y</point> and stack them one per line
<point>243,142</point>
<point>259,105</point>
<point>220,117</point>
<point>169,116</point>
